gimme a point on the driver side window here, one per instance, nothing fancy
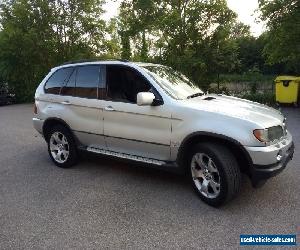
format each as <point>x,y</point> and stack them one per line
<point>124,83</point>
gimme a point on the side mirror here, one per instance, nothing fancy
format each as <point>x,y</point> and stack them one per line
<point>145,98</point>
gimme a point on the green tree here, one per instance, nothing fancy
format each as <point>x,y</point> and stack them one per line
<point>24,45</point>
<point>144,47</point>
<point>283,37</point>
<point>250,50</point>
<point>112,42</point>
<point>38,34</point>
<point>192,35</point>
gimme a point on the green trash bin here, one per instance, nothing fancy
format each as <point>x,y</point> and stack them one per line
<point>287,89</point>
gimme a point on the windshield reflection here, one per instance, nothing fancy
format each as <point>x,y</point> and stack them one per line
<point>174,83</point>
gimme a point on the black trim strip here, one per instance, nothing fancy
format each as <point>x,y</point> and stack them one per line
<point>121,138</point>
<point>140,114</point>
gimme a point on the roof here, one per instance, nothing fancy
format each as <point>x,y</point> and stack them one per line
<point>87,62</point>
<point>91,60</point>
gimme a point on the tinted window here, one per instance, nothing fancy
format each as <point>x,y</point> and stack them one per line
<point>57,80</point>
<point>102,84</point>
<point>69,87</point>
<point>123,84</point>
<point>87,81</point>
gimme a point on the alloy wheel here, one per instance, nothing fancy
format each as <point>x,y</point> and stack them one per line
<point>205,175</point>
<point>59,147</point>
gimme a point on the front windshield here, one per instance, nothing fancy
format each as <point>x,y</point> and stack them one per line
<point>174,83</point>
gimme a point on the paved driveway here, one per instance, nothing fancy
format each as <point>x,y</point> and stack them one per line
<point>108,204</point>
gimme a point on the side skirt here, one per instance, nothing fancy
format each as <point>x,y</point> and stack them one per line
<point>167,165</point>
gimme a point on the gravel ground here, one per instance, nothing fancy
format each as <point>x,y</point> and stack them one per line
<point>102,203</point>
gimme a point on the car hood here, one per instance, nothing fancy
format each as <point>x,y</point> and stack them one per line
<point>239,108</point>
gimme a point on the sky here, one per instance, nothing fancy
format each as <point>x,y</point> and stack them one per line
<point>244,8</point>
<point>246,14</point>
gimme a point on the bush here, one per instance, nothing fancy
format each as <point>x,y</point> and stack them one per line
<point>264,98</point>
<point>246,77</point>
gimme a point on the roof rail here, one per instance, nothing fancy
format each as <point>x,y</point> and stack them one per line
<point>80,61</point>
<point>92,60</point>
<point>123,60</point>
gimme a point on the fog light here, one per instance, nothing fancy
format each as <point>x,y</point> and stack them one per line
<point>279,155</point>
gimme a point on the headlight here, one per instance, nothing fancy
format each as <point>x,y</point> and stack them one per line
<point>269,134</point>
<point>284,126</point>
<point>261,135</point>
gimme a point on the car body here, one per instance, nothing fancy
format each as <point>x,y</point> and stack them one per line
<point>149,113</point>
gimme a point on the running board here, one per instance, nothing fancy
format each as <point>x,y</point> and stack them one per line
<point>126,156</point>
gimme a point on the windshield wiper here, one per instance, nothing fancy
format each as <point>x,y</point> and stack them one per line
<point>195,95</point>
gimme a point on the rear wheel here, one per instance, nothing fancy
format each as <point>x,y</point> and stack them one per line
<point>214,173</point>
<point>62,147</point>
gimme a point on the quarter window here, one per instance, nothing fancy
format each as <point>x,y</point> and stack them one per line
<point>87,81</point>
<point>57,80</point>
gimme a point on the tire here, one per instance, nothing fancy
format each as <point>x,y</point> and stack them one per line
<point>62,147</point>
<point>214,173</point>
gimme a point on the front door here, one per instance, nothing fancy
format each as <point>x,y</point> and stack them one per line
<point>128,128</point>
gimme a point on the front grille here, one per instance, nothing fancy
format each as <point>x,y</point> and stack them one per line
<point>275,133</point>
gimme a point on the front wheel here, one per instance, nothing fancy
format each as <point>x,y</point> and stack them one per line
<point>62,147</point>
<point>214,173</point>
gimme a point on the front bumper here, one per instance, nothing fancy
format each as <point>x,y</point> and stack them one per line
<point>260,173</point>
<point>271,160</point>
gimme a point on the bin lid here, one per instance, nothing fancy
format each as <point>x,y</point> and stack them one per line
<point>287,78</point>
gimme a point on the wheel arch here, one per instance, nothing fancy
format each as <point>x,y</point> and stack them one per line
<point>53,121</point>
<point>242,156</point>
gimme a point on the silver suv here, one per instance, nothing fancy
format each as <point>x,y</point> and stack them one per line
<point>152,114</point>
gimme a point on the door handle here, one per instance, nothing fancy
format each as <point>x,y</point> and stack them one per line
<point>109,108</point>
<point>66,103</point>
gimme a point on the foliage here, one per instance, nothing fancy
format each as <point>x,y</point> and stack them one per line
<point>37,35</point>
<point>193,36</point>
<point>264,98</point>
<point>246,77</point>
<point>283,21</point>
<point>201,38</point>
<point>261,97</point>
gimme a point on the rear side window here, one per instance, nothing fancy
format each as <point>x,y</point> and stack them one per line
<point>87,81</point>
<point>69,87</point>
<point>57,80</point>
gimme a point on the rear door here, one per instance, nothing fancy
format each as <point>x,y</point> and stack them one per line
<point>80,105</point>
